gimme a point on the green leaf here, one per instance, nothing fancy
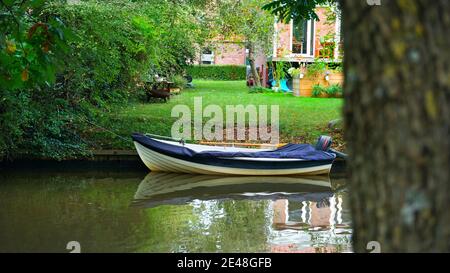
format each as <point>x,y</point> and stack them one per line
<point>37,3</point>
<point>9,3</point>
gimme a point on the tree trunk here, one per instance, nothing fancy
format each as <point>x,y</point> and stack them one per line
<point>397,112</point>
<point>251,59</point>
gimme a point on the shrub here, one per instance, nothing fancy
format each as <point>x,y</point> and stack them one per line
<point>318,90</point>
<point>316,69</point>
<point>218,72</point>
<point>179,81</point>
<point>334,90</point>
<point>338,67</point>
<point>331,91</point>
<point>279,73</point>
<point>82,57</point>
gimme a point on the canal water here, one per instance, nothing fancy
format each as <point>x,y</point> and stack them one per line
<point>116,211</point>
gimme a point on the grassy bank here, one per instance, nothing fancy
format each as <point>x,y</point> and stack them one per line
<point>301,119</point>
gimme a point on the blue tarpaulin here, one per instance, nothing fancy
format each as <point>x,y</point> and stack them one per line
<point>290,151</point>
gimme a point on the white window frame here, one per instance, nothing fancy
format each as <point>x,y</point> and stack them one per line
<point>208,58</point>
<point>309,38</point>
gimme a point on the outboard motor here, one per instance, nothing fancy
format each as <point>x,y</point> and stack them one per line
<point>324,143</point>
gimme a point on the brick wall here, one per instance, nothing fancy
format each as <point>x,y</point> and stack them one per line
<point>322,28</point>
<point>283,41</point>
<point>229,54</point>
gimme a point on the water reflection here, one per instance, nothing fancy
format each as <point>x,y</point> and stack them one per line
<point>301,214</point>
<point>311,226</point>
<point>177,189</point>
<point>120,212</point>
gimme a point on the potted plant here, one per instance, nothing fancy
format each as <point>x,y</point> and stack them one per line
<point>314,74</point>
<point>316,70</point>
<point>296,74</point>
<point>328,45</point>
<point>179,83</point>
<point>279,75</point>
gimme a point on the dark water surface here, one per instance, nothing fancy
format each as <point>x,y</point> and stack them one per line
<point>138,212</point>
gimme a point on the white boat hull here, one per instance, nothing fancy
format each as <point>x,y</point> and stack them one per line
<point>158,162</point>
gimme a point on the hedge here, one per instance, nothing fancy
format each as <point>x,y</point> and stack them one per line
<point>218,72</point>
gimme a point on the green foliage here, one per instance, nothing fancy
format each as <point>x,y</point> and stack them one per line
<point>332,91</point>
<point>246,22</point>
<point>327,50</point>
<point>279,71</point>
<point>338,67</point>
<point>294,9</point>
<point>105,61</point>
<point>33,115</point>
<point>179,81</point>
<point>316,69</point>
<point>30,45</point>
<point>218,72</point>
<point>101,60</point>
<point>60,60</point>
<point>318,90</point>
<point>295,72</point>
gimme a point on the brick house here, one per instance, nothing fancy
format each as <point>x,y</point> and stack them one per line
<point>296,43</point>
<point>228,53</point>
<point>302,42</point>
<point>329,219</point>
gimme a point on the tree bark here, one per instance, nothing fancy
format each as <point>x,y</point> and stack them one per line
<point>397,112</point>
<point>251,59</point>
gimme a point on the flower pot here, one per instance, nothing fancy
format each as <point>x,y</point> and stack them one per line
<point>175,90</point>
<point>296,87</point>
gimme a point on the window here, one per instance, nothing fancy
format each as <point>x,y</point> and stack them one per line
<point>207,56</point>
<point>207,51</point>
<point>303,37</point>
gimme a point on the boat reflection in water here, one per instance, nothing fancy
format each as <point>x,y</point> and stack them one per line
<point>303,214</point>
<point>176,189</point>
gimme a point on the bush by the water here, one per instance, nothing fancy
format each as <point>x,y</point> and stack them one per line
<point>218,72</point>
<point>69,59</point>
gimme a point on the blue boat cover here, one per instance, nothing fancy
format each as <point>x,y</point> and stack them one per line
<point>290,151</point>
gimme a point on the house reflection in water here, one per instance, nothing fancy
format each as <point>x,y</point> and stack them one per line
<point>322,226</point>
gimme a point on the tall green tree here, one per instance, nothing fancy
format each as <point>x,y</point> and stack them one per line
<point>61,61</point>
<point>245,21</point>
<point>32,48</point>
<point>296,9</point>
<point>397,104</point>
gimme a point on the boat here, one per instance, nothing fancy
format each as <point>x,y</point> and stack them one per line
<point>159,188</point>
<point>161,155</point>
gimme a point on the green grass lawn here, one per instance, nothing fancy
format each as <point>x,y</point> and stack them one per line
<point>301,119</point>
